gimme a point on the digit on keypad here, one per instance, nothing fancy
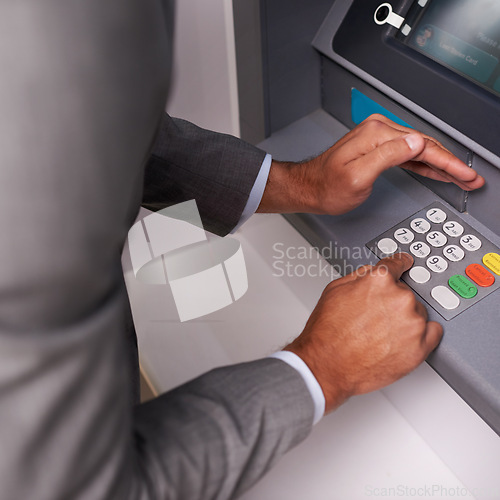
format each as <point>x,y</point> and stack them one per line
<point>453,228</point>
<point>453,253</point>
<point>436,215</point>
<point>437,264</point>
<point>404,235</point>
<point>470,242</point>
<point>437,239</point>
<point>420,249</point>
<point>420,225</point>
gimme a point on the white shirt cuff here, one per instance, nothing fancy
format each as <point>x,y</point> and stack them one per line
<point>257,192</point>
<point>312,384</point>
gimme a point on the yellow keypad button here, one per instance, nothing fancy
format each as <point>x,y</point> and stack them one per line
<point>492,262</point>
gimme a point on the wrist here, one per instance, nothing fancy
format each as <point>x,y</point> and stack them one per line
<point>310,381</point>
<point>290,188</point>
<point>333,386</point>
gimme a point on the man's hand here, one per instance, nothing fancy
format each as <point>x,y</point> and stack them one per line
<point>341,178</point>
<point>367,331</point>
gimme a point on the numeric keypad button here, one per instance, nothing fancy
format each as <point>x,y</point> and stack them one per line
<point>419,274</point>
<point>404,235</point>
<point>470,242</point>
<point>445,297</point>
<point>453,228</point>
<point>453,253</point>
<point>387,246</point>
<point>420,249</point>
<point>437,264</point>
<point>420,225</point>
<point>437,239</point>
<point>436,215</point>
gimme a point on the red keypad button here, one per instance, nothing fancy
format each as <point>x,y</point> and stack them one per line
<point>479,275</point>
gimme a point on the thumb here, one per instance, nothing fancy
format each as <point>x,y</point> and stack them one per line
<point>415,143</point>
<point>392,153</point>
<point>432,337</point>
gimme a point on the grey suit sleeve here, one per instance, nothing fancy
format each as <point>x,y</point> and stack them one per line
<point>217,170</point>
<point>215,436</point>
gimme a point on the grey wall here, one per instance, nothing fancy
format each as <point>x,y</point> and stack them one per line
<point>248,43</point>
<point>203,86</point>
<point>287,85</point>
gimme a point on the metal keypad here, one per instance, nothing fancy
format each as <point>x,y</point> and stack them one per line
<point>455,266</point>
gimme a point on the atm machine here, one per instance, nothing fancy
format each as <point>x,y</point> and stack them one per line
<point>428,64</point>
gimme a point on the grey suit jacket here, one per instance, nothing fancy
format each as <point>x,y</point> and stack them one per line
<point>83,87</point>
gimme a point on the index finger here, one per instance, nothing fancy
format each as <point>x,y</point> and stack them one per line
<point>396,265</point>
<point>449,166</point>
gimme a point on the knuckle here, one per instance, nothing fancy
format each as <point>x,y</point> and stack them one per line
<point>355,181</point>
<point>373,124</point>
<point>375,117</point>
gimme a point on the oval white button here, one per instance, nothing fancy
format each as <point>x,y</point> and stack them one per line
<point>419,274</point>
<point>420,225</point>
<point>470,242</point>
<point>387,246</point>
<point>445,297</point>
<point>453,228</point>
<point>453,253</point>
<point>437,239</point>
<point>437,264</point>
<point>404,235</point>
<point>436,215</point>
<point>420,249</point>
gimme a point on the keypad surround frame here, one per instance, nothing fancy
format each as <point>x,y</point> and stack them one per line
<point>471,257</point>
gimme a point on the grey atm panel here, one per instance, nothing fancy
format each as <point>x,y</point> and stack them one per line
<point>428,88</point>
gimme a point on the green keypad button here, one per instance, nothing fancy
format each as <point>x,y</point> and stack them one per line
<point>462,286</point>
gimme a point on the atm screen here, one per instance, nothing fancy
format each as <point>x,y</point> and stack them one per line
<point>463,35</point>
